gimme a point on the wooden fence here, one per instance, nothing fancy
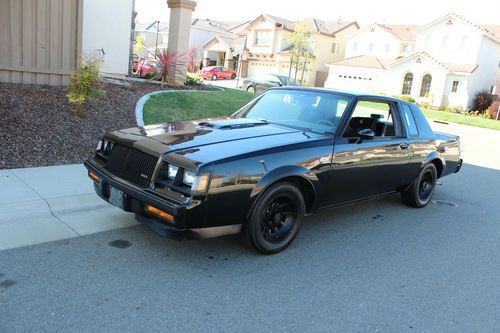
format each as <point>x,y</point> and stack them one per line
<point>40,40</point>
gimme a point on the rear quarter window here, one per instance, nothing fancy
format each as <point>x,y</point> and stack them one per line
<point>409,121</point>
<point>423,127</point>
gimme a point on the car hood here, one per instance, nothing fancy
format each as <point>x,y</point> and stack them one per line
<point>173,136</point>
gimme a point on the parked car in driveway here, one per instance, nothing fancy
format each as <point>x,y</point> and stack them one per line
<point>287,153</point>
<point>144,67</point>
<point>217,72</point>
<point>262,82</point>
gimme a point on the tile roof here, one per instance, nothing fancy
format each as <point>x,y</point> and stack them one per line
<point>218,26</point>
<point>367,61</point>
<point>403,32</point>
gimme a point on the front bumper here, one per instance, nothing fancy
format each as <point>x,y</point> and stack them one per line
<point>188,218</point>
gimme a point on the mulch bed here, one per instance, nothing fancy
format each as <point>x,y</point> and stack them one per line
<point>37,127</point>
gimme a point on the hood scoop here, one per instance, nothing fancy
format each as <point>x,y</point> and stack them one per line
<point>233,123</point>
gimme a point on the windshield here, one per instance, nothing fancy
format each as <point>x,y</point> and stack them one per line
<point>285,81</point>
<point>312,110</point>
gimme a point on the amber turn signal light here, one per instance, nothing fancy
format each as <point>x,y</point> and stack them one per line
<point>153,210</point>
<point>94,176</point>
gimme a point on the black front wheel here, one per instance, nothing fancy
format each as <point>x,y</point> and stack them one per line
<point>419,194</point>
<point>233,76</point>
<point>276,218</point>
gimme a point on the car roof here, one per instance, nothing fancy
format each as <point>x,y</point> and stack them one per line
<point>342,92</point>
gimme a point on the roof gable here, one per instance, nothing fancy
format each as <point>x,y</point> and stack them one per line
<point>493,32</point>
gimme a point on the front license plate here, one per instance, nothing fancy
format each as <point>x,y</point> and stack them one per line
<point>116,197</point>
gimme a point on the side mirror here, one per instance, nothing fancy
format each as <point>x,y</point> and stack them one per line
<point>366,133</point>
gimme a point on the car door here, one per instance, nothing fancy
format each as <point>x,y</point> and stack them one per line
<point>368,166</point>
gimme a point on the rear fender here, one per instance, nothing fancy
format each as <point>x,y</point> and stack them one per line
<point>434,155</point>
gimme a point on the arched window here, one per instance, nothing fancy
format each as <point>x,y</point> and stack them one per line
<point>407,82</point>
<point>426,85</point>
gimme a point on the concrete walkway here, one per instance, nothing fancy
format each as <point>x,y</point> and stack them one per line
<point>39,205</point>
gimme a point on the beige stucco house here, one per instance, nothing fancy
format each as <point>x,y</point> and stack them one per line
<point>261,47</point>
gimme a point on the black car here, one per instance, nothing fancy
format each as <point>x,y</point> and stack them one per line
<point>287,153</point>
<point>262,82</point>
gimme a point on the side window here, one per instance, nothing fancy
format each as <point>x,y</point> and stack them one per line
<point>410,121</point>
<point>374,115</point>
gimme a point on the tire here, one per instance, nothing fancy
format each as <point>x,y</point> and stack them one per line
<point>276,218</point>
<point>214,77</point>
<point>251,89</point>
<point>233,76</point>
<point>420,192</point>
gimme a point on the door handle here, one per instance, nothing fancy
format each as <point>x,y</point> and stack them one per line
<point>403,146</point>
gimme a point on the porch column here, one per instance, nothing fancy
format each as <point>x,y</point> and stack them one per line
<point>181,12</point>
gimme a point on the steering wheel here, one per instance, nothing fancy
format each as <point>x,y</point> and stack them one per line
<point>325,122</point>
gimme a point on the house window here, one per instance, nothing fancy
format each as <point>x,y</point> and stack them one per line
<point>263,38</point>
<point>454,86</point>
<point>354,46</point>
<point>387,48</point>
<point>407,82</point>
<point>335,48</point>
<point>426,85</point>
<point>370,47</point>
<point>405,48</point>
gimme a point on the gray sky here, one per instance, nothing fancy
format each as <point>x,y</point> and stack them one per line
<point>390,11</point>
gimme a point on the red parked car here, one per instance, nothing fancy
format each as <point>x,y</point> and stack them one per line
<point>217,72</point>
<point>146,66</point>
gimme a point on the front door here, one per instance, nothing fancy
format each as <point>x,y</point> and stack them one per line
<point>368,166</point>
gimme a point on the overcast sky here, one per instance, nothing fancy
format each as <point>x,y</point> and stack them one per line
<point>366,11</point>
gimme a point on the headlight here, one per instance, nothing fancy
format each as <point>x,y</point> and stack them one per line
<point>189,177</point>
<point>172,171</point>
<point>104,147</point>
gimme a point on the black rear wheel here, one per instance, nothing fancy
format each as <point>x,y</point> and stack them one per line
<point>233,76</point>
<point>251,89</point>
<point>276,218</point>
<point>419,194</point>
<point>214,77</point>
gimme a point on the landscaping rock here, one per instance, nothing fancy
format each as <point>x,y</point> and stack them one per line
<point>37,127</point>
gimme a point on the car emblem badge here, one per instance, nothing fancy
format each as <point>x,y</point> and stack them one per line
<point>144,176</point>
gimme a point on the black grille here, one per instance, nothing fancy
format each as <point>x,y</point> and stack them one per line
<point>132,165</point>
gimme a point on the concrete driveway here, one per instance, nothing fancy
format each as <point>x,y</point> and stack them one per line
<point>373,266</point>
<point>225,83</point>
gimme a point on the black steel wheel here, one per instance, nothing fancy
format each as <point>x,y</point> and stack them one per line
<point>420,192</point>
<point>276,218</point>
<point>214,77</point>
<point>233,76</point>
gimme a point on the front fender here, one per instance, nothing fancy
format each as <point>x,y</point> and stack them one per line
<point>280,173</point>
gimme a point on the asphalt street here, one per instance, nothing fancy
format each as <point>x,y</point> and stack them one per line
<point>376,266</point>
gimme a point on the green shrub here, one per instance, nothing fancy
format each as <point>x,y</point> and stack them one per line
<point>193,80</point>
<point>85,85</point>
<point>407,98</point>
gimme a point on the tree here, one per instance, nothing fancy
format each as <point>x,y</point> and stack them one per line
<point>301,54</point>
<point>192,59</point>
<point>139,44</point>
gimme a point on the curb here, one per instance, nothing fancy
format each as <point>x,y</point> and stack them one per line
<point>139,116</point>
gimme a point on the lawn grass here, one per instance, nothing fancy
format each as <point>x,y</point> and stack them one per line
<point>461,119</point>
<point>190,105</point>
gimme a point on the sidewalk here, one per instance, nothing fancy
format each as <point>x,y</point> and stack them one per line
<point>40,205</point>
